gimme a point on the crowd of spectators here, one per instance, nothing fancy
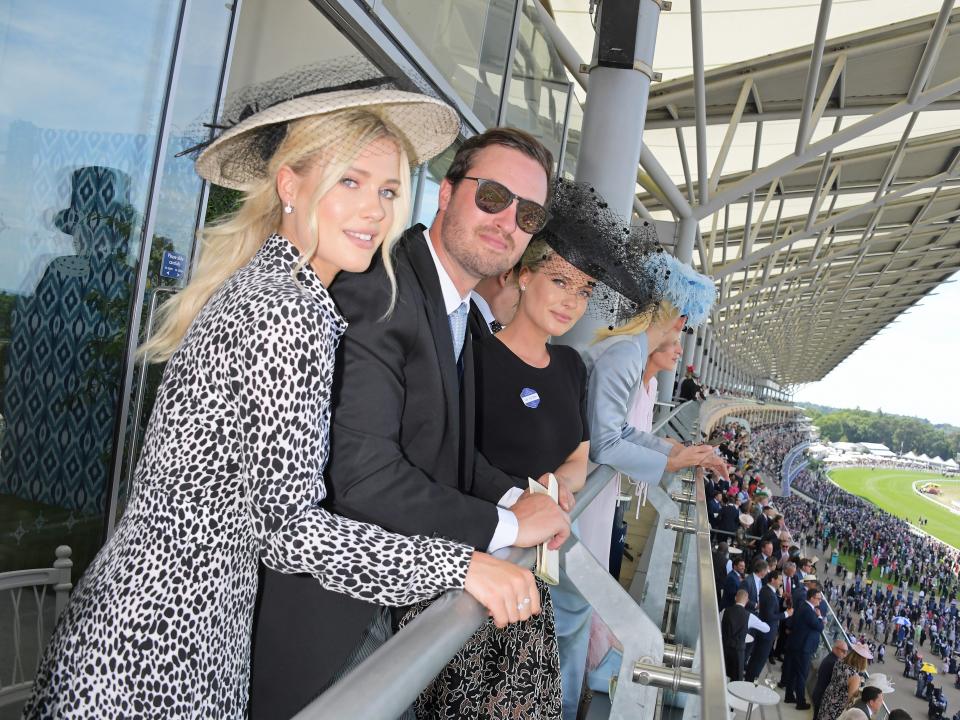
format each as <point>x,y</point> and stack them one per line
<point>877,540</point>
<point>892,585</point>
<point>774,606</point>
<point>888,463</point>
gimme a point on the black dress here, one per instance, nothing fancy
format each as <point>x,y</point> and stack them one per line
<point>529,421</point>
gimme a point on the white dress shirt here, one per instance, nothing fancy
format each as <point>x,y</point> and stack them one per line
<point>482,305</point>
<point>507,527</point>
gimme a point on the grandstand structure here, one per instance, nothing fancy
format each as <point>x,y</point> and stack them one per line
<point>813,252</point>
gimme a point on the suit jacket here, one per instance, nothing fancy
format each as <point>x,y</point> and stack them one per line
<point>750,585</point>
<point>769,609</point>
<point>799,595</point>
<point>730,587</point>
<point>479,328</point>
<point>804,630</point>
<point>824,672</point>
<point>401,456</point>
<point>713,511</point>
<point>760,526</point>
<point>729,519</point>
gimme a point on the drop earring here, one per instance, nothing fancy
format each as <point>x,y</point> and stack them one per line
<point>288,209</point>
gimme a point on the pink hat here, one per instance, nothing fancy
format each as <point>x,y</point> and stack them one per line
<point>862,650</point>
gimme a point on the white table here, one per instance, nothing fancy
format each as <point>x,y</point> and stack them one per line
<point>754,694</point>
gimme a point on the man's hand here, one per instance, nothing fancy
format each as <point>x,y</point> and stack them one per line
<point>540,520</point>
<point>565,497</point>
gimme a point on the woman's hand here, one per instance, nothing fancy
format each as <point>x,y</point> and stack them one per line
<point>565,497</point>
<point>507,591</point>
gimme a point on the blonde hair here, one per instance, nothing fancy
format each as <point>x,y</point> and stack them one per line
<point>536,254</point>
<point>230,243</point>
<point>664,312</point>
<point>856,660</point>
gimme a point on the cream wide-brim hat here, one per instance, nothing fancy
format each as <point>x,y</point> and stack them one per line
<point>427,127</point>
<point>880,680</point>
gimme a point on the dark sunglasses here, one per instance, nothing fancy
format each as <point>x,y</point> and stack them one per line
<point>492,197</point>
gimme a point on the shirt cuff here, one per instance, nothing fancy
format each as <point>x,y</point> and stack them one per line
<point>507,530</point>
<point>510,497</point>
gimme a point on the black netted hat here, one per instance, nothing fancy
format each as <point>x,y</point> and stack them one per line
<point>585,232</point>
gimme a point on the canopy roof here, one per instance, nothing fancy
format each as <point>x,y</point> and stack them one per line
<point>820,250</point>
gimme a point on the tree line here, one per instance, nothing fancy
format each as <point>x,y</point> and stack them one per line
<point>899,433</point>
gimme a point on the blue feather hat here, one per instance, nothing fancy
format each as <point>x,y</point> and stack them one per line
<point>692,293</point>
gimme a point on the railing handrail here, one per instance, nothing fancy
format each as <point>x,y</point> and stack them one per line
<point>713,692</point>
<point>389,681</point>
<point>660,424</point>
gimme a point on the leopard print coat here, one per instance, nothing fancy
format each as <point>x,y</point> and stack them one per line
<point>231,474</point>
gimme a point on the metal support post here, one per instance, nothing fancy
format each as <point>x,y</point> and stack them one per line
<point>689,348</point>
<point>686,239</point>
<point>700,341</point>
<point>611,139</point>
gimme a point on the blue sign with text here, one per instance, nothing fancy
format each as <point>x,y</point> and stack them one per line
<point>173,265</point>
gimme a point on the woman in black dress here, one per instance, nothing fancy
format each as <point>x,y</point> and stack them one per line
<point>531,404</point>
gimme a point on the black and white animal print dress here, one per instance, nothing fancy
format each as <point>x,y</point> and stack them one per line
<point>231,473</point>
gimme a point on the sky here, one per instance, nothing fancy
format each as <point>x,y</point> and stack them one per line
<point>903,368</point>
<point>906,369</point>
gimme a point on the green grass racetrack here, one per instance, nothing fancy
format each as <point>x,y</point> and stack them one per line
<point>892,490</point>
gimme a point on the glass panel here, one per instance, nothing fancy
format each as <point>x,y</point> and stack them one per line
<point>467,40</point>
<point>83,86</point>
<point>431,177</point>
<point>72,245</point>
<point>193,103</point>
<point>574,131</point>
<point>539,85</point>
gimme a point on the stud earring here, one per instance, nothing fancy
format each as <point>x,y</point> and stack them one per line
<point>523,288</point>
<point>288,209</point>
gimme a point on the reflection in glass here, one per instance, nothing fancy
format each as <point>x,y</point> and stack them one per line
<point>571,152</point>
<point>192,107</point>
<point>430,179</point>
<point>468,41</point>
<point>83,87</point>
<point>539,85</point>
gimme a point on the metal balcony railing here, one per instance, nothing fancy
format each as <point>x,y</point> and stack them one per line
<point>658,670</point>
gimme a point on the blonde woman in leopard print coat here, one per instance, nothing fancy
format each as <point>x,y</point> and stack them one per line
<point>231,471</point>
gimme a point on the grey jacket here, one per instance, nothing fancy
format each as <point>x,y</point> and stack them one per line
<point>615,367</point>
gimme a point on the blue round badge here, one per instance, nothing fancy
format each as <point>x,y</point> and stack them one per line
<point>530,397</point>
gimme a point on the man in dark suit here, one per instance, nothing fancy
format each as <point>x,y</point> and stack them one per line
<point>754,582</point>
<point>402,434</point>
<point>714,507</point>
<point>736,621</point>
<point>760,526</point>
<point>771,613</point>
<point>729,518</point>
<point>733,581</point>
<point>805,629</point>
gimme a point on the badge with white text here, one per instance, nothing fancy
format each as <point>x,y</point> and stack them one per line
<point>530,397</point>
